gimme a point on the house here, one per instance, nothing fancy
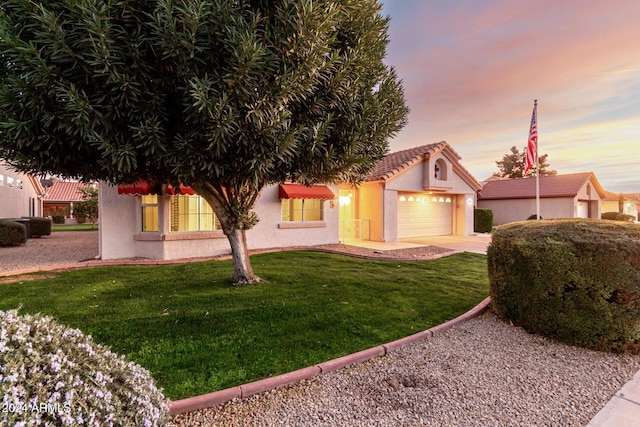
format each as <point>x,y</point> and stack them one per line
<point>419,192</point>
<point>60,197</point>
<point>423,191</point>
<point>576,195</point>
<point>155,222</point>
<point>20,194</point>
<point>611,203</point>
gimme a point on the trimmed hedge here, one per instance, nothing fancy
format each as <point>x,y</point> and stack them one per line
<point>577,280</point>
<point>39,226</point>
<point>617,216</point>
<point>12,233</point>
<point>58,219</point>
<point>482,220</point>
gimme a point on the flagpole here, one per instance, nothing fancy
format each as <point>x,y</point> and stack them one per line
<point>535,106</point>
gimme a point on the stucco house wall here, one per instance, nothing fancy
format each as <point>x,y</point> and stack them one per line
<point>20,194</point>
<point>506,211</point>
<point>121,225</point>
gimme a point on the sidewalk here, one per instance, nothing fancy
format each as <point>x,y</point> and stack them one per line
<point>623,410</point>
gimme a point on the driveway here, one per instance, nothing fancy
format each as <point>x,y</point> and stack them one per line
<point>477,243</point>
<point>62,247</point>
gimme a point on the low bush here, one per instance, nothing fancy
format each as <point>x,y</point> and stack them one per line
<point>57,219</point>
<point>617,216</point>
<point>577,281</point>
<point>12,233</point>
<point>52,375</point>
<point>532,217</point>
<point>39,226</point>
<point>482,220</point>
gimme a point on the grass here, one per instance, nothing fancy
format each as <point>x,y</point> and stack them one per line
<point>197,333</point>
<point>73,227</point>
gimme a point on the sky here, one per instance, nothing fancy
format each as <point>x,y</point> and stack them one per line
<point>471,70</point>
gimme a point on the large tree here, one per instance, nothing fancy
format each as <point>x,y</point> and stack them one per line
<point>224,96</point>
<point>512,165</point>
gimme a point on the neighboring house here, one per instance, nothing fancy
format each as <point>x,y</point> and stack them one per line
<point>20,194</point>
<point>576,195</point>
<point>419,192</point>
<point>61,196</point>
<point>611,203</point>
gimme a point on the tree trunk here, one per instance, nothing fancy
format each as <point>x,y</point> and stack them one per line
<point>242,270</point>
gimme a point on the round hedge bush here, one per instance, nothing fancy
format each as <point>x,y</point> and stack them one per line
<point>577,281</point>
<point>52,375</point>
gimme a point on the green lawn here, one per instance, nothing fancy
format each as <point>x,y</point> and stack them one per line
<point>72,227</point>
<point>197,333</point>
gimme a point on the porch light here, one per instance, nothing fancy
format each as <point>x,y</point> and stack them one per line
<point>344,200</point>
<point>469,201</point>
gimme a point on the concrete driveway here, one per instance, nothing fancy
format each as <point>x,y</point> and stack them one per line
<point>477,243</point>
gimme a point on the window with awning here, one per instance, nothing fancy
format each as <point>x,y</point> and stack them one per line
<point>303,204</point>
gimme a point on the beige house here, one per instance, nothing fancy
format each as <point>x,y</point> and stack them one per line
<point>419,192</point>
<point>20,194</point>
<point>611,203</point>
<point>561,196</point>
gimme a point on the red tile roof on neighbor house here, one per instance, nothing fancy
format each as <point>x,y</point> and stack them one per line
<point>550,186</point>
<point>64,192</point>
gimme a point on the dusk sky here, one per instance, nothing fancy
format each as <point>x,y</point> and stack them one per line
<point>472,69</point>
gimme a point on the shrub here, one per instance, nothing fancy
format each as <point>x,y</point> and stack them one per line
<point>482,220</point>
<point>52,375</point>
<point>12,233</point>
<point>617,216</point>
<point>532,217</point>
<point>576,280</point>
<point>39,226</point>
<point>57,219</point>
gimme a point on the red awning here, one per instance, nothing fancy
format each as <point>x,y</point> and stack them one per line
<point>143,188</point>
<point>297,191</point>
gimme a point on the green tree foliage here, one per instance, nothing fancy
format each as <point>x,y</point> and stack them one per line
<point>512,165</point>
<point>87,209</point>
<point>223,96</point>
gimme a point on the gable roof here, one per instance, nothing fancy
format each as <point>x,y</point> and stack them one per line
<point>550,186</point>
<point>64,192</point>
<point>395,163</point>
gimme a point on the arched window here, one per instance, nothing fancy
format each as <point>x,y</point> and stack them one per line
<point>440,170</point>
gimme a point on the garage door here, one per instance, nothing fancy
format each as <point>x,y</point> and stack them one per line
<point>424,215</point>
<point>583,209</point>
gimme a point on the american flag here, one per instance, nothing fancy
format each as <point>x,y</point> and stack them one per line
<point>531,154</point>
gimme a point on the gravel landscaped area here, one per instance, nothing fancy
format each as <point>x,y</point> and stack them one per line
<point>62,247</point>
<point>481,373</point>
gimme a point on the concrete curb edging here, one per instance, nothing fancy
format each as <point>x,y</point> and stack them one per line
<point>241,392</point>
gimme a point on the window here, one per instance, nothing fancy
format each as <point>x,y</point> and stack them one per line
<point>9,181</point>
<point>150,213</point>
<point>440,170</point>
<point>192,213</point>
<point>1,180</point>
<point>302,210</point>
<point>19,184</point>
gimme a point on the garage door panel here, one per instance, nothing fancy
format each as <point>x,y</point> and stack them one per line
<point>423,217</point>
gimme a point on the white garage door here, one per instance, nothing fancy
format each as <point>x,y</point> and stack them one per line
<point>424,215</point>
<point>583,209</point>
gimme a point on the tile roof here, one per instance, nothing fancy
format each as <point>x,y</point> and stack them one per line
<point>64,192</point>
<point>395,163</point>
<point>550,186</point>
